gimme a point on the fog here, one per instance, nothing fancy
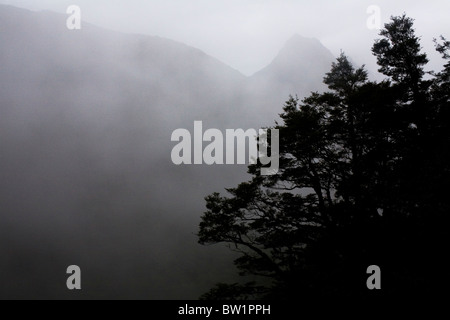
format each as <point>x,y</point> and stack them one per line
<point>86,118</point>
<point>247,35</point>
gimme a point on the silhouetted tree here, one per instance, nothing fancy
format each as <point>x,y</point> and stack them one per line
<point>363,179</point>
<point>398,54</point>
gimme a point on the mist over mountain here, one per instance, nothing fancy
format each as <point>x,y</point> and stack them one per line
<point>86,177</point>
<point>299,67</point>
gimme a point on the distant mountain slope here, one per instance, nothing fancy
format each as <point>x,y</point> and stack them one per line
<point>301,62</point>
<point>298,69</point>
<point>38,47</point>
<point>85,172</point>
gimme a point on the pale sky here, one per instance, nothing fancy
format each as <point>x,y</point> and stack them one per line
<point>247,34</point>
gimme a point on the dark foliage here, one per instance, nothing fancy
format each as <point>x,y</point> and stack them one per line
<point>364,176</point>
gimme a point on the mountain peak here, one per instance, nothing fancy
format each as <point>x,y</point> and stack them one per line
<point>303,47</point>
<point>299,53</point>
<point>298,38</point>
<point>299,67</point>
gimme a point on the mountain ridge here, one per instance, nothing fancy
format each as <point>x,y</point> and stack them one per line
<point>86,119</point>
<point>289,64</point>
<point>295,38</point>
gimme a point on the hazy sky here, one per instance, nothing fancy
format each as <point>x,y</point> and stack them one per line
<point>247,34</point>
